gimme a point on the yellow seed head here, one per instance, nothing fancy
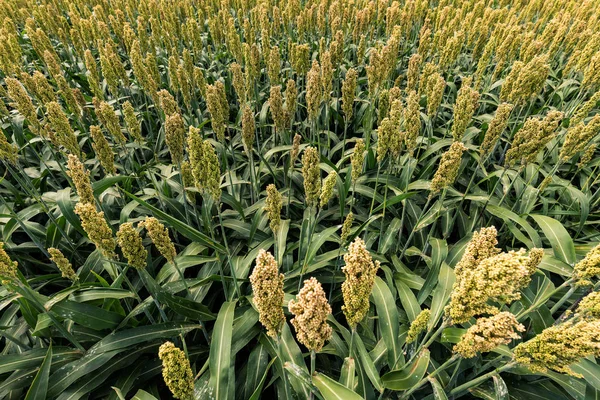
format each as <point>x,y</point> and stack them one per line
<point>248,128</point>
<point>348,93</point>
<point>578,137</point>
<point>559,346</point>
<point>64,134</point>
<point>107,117</point>
<point>276,107</point>
<point>312,175</point>
<point>62,263</point>
<point>360,271</point>
<point>133,126</point>
<point>589,306</point>
<point>347,226</point>
<point>160,237</point>
<point>418,326</point>
<point>587,268</point>
<point>295,149</point>
<point>131,245</point>
<point>466,103</point>
<point>414,66</point>
<point>448,168</point>
<point>435,92</point>
<point>497,278</point>
<point>273,206</point>
<point>175,137</point>
<point>310,311</point>
<point>495,128</point>
<point>532,137</point>
<point>327,189</point>
<point>8,267</point>
<point>81,179</point>
<point>167,102</point>
<point>314,90</point>
<point>267,288</point>
<point>357,159</point>
<point>412,121</point>
<point>205,164</point>
<point>8,152</point>
<point>176,371</point>
<point>488,333</point>
<point>102,149</point>
<point>97,228</point>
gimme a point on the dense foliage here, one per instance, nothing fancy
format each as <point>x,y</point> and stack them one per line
<point>334,199</point>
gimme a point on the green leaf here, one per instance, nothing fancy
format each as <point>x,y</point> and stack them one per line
<point>500,388</point>
<point>409,376</point>
<point>181,227</point>
<point>261,383</point>
<point>130,337</point>
<point>438,390</point>
<point>348,374</point>
<point>332,390</point>
<point>387,319</point>
<point>220,352</point>
<point>39,387</point>
<point>143,395</point>
<point>441,293</point>
<point>87,315</point>
<point>559,238</point>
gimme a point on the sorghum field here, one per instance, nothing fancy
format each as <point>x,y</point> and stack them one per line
<point>300,199</point>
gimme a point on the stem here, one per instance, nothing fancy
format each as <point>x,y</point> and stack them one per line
<point>431,375</point>
<point>313,356</point>
<point>482,378</point>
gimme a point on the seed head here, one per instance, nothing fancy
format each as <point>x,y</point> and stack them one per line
<point>578,137</point>
<point>495,128</point>
<point>295,148</point>
<point>248,128</point>
<point>559,346</point>
<point>23,102</point>
<point>103,150</point>
<point>587,156</point>
<point>418,326</point>
<point>448,169</point>
<point>589,306</point>
<point>587,268</point>
<point>8,152</point>
<point>360,271</point>
<point>218,107</point>
<point>310,311</point>
<point>273,206</point>
<point>176,371</point>
<point>175,137</point>
<point>347,226</point>
<point>291,96</point>
<point>97,228</point>
<point>81,179</point>
<point>133,126</point>
<point>167,102</point>
<point>357,159</point>
<point>267,288</point>
<point>205,164</point>
<point>533,136</point>
<point>497,278</point>
<point>276,107</point>
<point>488,333</point>
<point>412,76</point>
<point>327,189</point>
<point>583,110</point>
<point>348,93</point>
<point>107,117</point>
<point>160,237</point>
<point>314,90</point>
<point>312,175</point>
<point>435,92</point>
<point>63,133</point>
<point>8,267</point>
<point>412,121</point>
<point>466,103</point>
<point>131,245</point>
<point>62,263</point>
